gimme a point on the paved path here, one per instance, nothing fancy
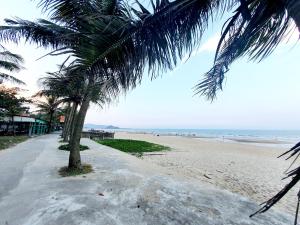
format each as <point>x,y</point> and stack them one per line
<point>123,190</point>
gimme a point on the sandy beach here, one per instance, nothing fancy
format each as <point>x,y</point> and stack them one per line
<point>252,171</point>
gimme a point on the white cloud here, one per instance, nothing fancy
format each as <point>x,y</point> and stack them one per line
<point>210,45</point>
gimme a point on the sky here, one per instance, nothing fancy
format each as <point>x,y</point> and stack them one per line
<point>256,95</point>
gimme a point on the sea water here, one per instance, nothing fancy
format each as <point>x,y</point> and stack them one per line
<point>278,138</point>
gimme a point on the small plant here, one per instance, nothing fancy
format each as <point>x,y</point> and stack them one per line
<point>66,147</point>
<point>67,172</point>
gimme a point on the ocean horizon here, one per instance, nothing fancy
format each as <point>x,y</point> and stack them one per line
<point>281,138</point>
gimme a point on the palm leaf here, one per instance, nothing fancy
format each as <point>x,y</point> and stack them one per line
<point>10,78</point>
<point>294,174</point>
<point>43,33</point>
<point>255,37</point>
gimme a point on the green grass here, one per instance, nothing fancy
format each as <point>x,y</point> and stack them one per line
<point>67,172</point>
<point>66,147</point>
<point>9,141</point>
<point>134,147</point>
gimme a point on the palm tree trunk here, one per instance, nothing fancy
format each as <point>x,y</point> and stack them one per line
<point>66,122</point>
<point>72,122</point>
<point>293,8</point>
<point>50,122</point>
<point>74,158</point>
<point>65,135</point>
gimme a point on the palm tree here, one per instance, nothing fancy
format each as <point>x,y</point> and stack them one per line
<point>48,107</point>
<point>86,31</point>
<point>10,62</point>
<point>109,39</point>
<point>254,30</point>
<point>69,87</point>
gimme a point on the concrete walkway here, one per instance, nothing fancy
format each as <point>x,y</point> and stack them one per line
<point>123,190</point>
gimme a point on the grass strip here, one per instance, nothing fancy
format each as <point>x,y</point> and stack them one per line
<point>135,147</point>
<point>9,141</point>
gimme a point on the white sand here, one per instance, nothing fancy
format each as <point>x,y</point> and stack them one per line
<point>252,171</point>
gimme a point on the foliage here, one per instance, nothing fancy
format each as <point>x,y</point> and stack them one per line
<point>9,141</point>
<point>255,30</point>
<point>294,174</point>
<point>66,147</point>
<point>67,172</point>
<point>48,105</point>
<point>48,109</point>
<point>10,103</point>
<point>10,62</point>
<point>69,86</point>
<point>134,147</point>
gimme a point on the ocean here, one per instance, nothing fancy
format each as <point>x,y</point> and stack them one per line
<point>277,138</point>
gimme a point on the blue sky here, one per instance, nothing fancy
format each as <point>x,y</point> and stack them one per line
<point>256,95</point>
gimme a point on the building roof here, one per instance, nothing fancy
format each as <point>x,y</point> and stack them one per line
<point>23,119</point>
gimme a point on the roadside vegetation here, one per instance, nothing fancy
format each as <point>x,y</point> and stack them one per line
<point>9,141</point>
<point>68,172</point>
<point>134,147</point>
<point>66,147</point>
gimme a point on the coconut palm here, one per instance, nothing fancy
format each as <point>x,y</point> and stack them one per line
<point>48,107</point>
<point>68,86</point>
<point>10,62</point>
<point>86,31</point>
<point>69,89</point>
<point>110,39</point>
<point>254,30</point>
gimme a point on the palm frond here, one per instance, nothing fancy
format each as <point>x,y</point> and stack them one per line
<point>255,36</point>
<point>10,66</point>
<point>50,104</point>
<point>294,174</point>
<point>9,56</point>
<point>10,61</point>
<point>10,78</point>
<point>162,35</point>
<point>43,33</point>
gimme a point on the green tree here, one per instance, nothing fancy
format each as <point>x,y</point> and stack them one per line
<point>86,31</point>
<point>68,86</point>
<point>48,107</point>
<point>254,30</point>
<point>11,105</point>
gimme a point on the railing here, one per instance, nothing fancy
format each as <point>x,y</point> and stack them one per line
<point>97,134</point>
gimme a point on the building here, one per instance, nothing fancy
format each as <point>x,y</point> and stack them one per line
<point>24,125</point>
